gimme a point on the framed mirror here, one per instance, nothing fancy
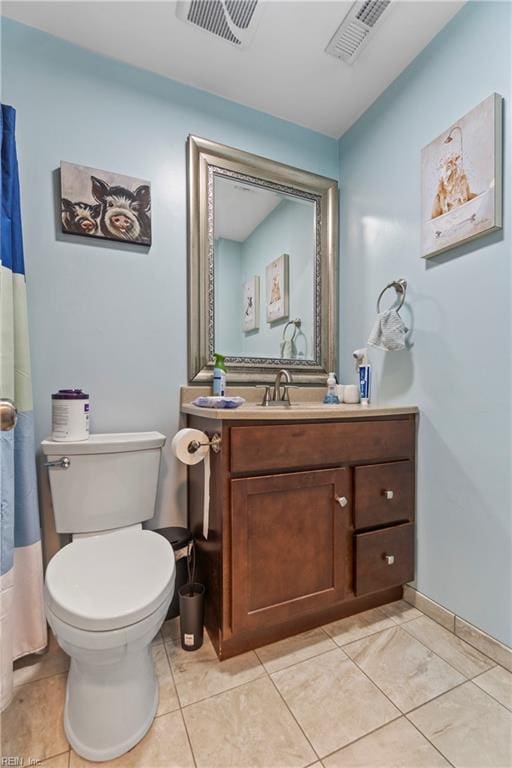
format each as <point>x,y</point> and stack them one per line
<point>262,250</point>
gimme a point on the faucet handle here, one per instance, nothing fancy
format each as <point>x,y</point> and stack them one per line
<point>266,395</point>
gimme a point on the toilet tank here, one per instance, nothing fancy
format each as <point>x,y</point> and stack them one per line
<point>110,481</point>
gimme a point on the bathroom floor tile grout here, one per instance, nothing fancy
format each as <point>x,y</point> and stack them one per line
<point>266,673</point>
<point>376,685</point>
<point>37,679</point>
<point>438,656</point>
<point>295,663</point>
<point>389,698</point>
<point>484,672</point>
<point>454,633</point>
<point>293,716</point>
<point>434,698</point>
<point>371,633</point>
<point>226,690</point>
<point>400,715</point>
<point>430,742</point>
<point>188,738</point>
<point>179,703</point>
<point>410,712</point>
<point>490,695</point>
<point>494,663</point>
<point>52,757</point>
<point>363,736</point>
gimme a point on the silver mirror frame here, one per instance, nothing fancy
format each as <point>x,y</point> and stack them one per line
<point>205,159</point>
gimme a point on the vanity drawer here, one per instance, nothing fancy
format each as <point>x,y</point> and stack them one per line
<point>374,569</point>
<point>384,494</point>
<point>279,447</point>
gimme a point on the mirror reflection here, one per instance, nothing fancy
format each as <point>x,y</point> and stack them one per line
<point>264,259</point>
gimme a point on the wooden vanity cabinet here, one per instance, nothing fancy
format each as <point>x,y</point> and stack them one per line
<point>309,522</point>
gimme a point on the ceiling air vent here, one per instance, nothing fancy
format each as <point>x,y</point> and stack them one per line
<point>233,20</point>
<point>354,31</point>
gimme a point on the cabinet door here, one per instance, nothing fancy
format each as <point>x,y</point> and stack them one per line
<point>291,545</point>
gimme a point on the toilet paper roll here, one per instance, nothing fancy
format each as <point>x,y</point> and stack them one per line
<point>181,448</point>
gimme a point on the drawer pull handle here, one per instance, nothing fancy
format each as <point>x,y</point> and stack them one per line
<point>388,495</point>
<point>342,501</point>
<point>390,559</point>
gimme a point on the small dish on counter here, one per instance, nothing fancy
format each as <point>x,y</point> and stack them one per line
<point>216,401</point>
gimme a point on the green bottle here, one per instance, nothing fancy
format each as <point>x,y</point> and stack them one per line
<point>219,376</point>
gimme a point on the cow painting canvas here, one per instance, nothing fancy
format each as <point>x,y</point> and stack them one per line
<point>102,204</point>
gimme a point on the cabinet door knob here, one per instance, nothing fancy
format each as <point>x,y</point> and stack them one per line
<point>390,559</point>
<point>342,501</point>
<point>388,495</point>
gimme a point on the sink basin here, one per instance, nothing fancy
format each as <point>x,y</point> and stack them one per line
<point>285,406</point>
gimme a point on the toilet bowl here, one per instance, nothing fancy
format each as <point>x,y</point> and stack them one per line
<point>108,591</point>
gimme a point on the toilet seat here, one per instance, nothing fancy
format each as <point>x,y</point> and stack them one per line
<point>110,580</point>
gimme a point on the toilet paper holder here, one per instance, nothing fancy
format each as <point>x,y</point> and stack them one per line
<point>214,443</point>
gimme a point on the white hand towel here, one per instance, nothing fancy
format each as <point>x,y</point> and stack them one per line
<point>389,331</point>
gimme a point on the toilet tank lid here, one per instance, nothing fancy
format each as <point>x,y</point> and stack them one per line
<point>105,443</point>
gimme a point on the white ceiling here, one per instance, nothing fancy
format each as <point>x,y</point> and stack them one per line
<point>284,72</point>
<point>239,208</point>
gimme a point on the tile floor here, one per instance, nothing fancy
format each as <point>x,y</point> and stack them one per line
<point>386,688</point>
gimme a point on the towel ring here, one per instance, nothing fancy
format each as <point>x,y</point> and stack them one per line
<point>297,323</point>
<point>400,287</point>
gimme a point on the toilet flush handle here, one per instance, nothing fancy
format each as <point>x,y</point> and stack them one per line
<point>63,463</point>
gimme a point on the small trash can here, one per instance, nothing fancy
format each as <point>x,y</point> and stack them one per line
<point>191,615</point>
<point>191,597</point>
<point>180,539</point>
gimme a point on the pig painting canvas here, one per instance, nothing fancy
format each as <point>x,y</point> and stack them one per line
<point>103,204</point>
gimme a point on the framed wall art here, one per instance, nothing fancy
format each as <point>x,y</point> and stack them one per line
<point>277,289</point>
<point>461,180</point>
<point>251,304</point>
<point>103,204</point>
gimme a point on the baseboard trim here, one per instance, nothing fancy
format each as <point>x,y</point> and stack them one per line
<point>497,651</point>
<point>424,604</point>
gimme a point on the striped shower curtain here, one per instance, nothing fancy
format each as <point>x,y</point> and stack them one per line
<point>22,622</point>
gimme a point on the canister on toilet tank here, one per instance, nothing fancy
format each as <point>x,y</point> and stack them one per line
<point>70,415</point>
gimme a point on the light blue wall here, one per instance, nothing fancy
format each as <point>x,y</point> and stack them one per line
<point>103,317</point>
<point>228,297</point>
<point>458,369</point>
<point>287,229</point>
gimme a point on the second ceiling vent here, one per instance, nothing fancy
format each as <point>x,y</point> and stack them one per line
<point>233,20</point>
<point>356,28</point>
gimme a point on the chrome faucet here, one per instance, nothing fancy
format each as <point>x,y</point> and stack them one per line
<point>278,385</point>
<point>280,394</point>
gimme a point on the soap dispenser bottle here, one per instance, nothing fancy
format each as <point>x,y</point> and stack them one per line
<point>219,376</point>
<point>331,398</point>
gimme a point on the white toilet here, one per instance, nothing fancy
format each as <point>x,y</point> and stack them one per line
<point>108,591</point>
